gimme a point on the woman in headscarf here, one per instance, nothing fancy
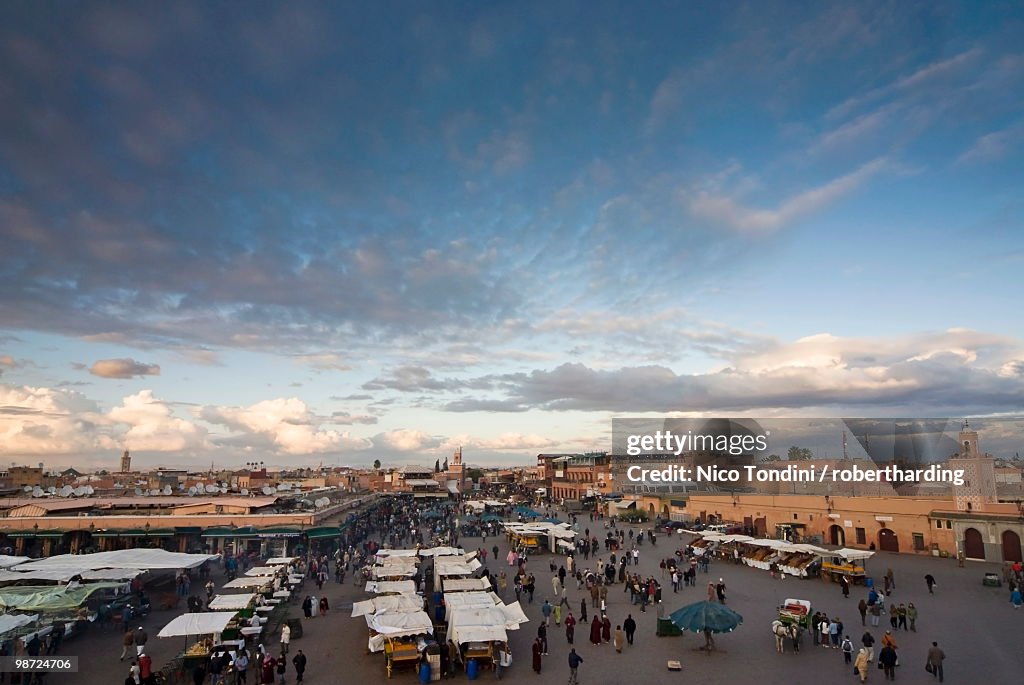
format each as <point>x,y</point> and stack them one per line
<point>324,606</point>
<point>606,629</point>
<point>595,630</point>
<point>538,649</point>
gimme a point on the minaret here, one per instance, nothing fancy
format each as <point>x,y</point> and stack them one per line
<point>455,472</point>
<point>979,486</point>
<point>126,462</point>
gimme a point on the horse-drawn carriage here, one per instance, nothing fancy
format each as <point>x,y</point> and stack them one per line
<point>794,618</point>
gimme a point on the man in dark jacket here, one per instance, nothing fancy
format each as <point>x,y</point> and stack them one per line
<point>574,663</point>
<point>629,625</point>
<point>299,662</point>
<point>887,657</point>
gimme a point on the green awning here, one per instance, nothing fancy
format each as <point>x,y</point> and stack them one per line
<point>246,531</point>
<point>134,533</point>
<point>328,532</point>
<point>196,530</point>
<point>37,534</point>
<point>279,532</point>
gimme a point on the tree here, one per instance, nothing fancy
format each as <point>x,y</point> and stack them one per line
<point>376,464</point>
<point>795,453</point>
<point>474,474</point>
<point>445,467</point>
<point>771,457</point>
<point>437,466</point>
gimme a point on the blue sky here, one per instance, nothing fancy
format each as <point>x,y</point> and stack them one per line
<point>331,232</point>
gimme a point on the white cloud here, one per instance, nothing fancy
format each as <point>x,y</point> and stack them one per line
<point>503,443</point>
<point>406,440</point>
<point>993,146</point>
<point>286,423</point>
<point>152,426</point>
<point>45,421</point>
<point>729,212</point>
<point>123,368</point>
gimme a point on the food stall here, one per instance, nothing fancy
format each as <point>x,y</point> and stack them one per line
<point>843,562</point>
<point>399,634</point>
<point>208,629</point>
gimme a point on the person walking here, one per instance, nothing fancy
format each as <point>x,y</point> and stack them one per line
<point>286,638</point>
<point>241,665</point>
<point>324,605</point>
<point>282,665</point>
<point>935,658</point>
<point>307,607</point>
<point>630,627</point>
<point>862,607</point>
<point>868,640</point>
<point>1016,598</point>
<point>141,637</point>
<point>847,650</point>
<point>912,617</point>
<point>929,580</point>
<point>542,635</point>
<point>299,662</point>
<point>619,640</point>
<point>606,629</point>
<point>595,630</point>
<point>574,663</point>
<point>887,658</point>
<point>127,642</point>
<point>860,666</point>
<point>538,651</point>
<point>570,628</point>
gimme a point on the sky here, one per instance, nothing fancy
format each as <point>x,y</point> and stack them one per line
<point>304,233</point>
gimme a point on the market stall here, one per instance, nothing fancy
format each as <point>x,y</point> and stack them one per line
<point>391,587</point>
<point>387,603</point>
<point>208,628</point>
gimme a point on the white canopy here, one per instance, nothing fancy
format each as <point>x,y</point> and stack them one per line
<point>236,602</point>
<point>387,603</point>
<point>8,561</point>
<point>138,558</point>
<point>65,574</point>
<point>480,624</point>
<point>247,582</point>
<point>396,624</point>
<point>208,623</point>
<point>394,587</point>
<point>471,599</point>
<point>281,561</point>
<point>263,571</point>
<point>426,552</point>
<point>464,584</point>
<point>853,554</point>
<point>9,622</point>
<point>445,566</point>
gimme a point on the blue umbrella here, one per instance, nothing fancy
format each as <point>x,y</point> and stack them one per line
<point>706,617</point>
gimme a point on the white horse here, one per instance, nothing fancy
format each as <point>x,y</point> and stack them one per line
<point>781,632</point>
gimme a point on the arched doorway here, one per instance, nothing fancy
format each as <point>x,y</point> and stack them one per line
<point>650,508</point>
<point>836,536</point>
<point>887,541</point>
<point>665,512</point>
<point>974,546</point>
<point>1011,546</point>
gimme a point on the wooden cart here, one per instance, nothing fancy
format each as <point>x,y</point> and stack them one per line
<point>398,653</point>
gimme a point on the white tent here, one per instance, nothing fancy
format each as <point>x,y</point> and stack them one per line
<point>139,558</point>
<point>9,622</point>
<point>65,574</point>
<point>281,561</point>
<point>465,584</point>
<point>396,624</point>
<point>247,582</point>
<point>262,571</point>
<point>391,587</point>
<point>207,623</point>
<point>387,603</point>
<point>467,624</point>
<point>471,599</point>
<point>236,602</point>
<point>448,566</point>
<point>853,554</point>
<point>8,561</point>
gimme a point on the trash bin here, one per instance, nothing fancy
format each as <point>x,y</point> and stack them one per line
<point>666,628</point>
<point>295,625</point>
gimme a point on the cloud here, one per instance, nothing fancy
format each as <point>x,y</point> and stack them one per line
<point>419,379</point>
<point>44,421</point>
<point>345,418</point>
<point>152,426</point>
<point>406,440</point>
<point>123,368</point>
<point>993,146</point>
<point>958,371</point>
<point>285,424</point>
<point>323,361</point>
<point>506,442</point>
<point>729,212</point>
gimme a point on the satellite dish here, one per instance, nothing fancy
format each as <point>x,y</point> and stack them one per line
<point>37,491</point>
<point>154,492</point>
<point>79,491</point>
<point>28,488</point>
<point>245,492</point>
<point>52,490</point>
<point>210,489</point>
<point>66,491</point>
<point>192,491</point>
<point>89,489</point>
<point>267,490</point>
<point>167,490</point>
<point>223,490</point>
<point>138,492</point>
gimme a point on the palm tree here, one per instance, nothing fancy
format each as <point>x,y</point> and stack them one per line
<point>376,464</point>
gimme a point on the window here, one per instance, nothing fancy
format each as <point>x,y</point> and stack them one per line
<point>949,525</point>
<point>862,537</point>
<point>918,542</point>
<point>794,517</point>
<point>938,524</point>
